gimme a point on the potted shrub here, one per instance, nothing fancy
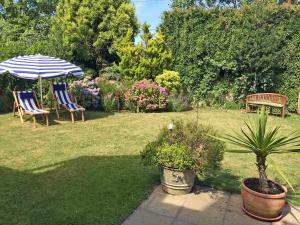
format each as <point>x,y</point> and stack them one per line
<point>181,153</point>
<point>263,199</point>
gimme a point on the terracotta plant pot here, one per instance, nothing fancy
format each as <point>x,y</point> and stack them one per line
<point>176,182</point>
<point>261,206</point>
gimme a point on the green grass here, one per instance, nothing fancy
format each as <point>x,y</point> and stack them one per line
<point>90,173</point>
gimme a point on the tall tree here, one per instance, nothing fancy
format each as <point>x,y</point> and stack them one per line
<point>146,59</point>
<point>146,34</point>
<point>89,30</point>
<point>24,26</point>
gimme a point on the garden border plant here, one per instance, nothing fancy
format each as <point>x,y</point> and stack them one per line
<point>182,152</point>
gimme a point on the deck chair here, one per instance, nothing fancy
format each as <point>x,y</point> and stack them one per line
<point>63,99</point>
<point>27,104</point>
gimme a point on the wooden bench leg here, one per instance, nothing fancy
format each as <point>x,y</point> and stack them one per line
<point>248,108</point>
<point>283,112</point>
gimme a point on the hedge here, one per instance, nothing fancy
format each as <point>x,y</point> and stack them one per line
<point>223,54</point>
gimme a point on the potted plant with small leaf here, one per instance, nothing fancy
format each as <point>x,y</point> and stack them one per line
<point>181,152</point>
<point>263,199</point>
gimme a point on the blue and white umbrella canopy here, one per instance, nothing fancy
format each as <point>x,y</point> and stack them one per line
<point>39,66</point>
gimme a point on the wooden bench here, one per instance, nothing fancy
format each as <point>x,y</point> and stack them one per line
<point>271,100</point>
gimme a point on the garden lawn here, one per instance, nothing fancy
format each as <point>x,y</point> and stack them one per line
<point>90,172</point>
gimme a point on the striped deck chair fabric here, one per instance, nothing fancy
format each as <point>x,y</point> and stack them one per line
<point>60,93</point>
<point>27,102</point>
<point>63,98</point>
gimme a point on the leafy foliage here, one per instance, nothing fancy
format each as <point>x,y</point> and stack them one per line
<point>175,157</point>
<point>223,54</point>
<point>145,60</point>
<point>110,73</point>
<point>179,102</point>
<point>193,148</point>
<point>169,79</point>
<point>146,96</point>
<point>90,30</point>
<point>108,102</point>
<point>261,141</point>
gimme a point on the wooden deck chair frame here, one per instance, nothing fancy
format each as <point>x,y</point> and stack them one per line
<point>58,106</point>
<point>22,112</point>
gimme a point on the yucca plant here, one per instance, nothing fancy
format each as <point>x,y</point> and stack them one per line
<point>257,138</point>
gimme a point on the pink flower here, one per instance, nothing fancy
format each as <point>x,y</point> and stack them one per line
<point>109,95</point>
<point>162,90</point>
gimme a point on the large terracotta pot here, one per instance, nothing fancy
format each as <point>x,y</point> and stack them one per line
<point>263,206</point>
<point>176,182</point>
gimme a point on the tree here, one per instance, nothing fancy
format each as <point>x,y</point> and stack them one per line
<point>184,4</point>
<point>24,25</point>
<point>146,34</point>
<point>147,59</point>
<point>90,30</point>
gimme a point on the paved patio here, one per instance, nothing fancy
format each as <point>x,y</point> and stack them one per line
<point>202,207</point>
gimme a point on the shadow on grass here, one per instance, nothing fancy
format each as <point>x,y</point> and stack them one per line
<point>85,190</point>
<point>88,115</point>
<point>65,117</point>
<point>221,180</point>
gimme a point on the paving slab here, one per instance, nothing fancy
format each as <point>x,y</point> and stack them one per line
<point>202,207</point>
<point>235,203</point>
<point>144,217</point>
<point>291,216</point>
<point>240,218</point>
<point>178,222</point>
<point>165,204</point>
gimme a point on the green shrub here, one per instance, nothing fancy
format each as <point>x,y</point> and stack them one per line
<point>112,93</point>
<point>108,102</point>
<point>110,73</point>
<point>146,96</point>
<point>169,79</point>
<point>222,52</point>
<point>179,102</point>
<point>290,87</point>
<point>191,142</point>
<point>289,82</point>
<point>8,84</point>
<point>174,156</point>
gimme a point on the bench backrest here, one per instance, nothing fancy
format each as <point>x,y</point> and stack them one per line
<point>267,97</point>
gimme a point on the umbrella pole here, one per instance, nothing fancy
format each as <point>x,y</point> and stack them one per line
<point>41,90</point>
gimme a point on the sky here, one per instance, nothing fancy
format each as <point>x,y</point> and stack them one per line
<point>150,11</point>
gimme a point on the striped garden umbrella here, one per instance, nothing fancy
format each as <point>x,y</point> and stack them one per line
<point>39,66</point>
